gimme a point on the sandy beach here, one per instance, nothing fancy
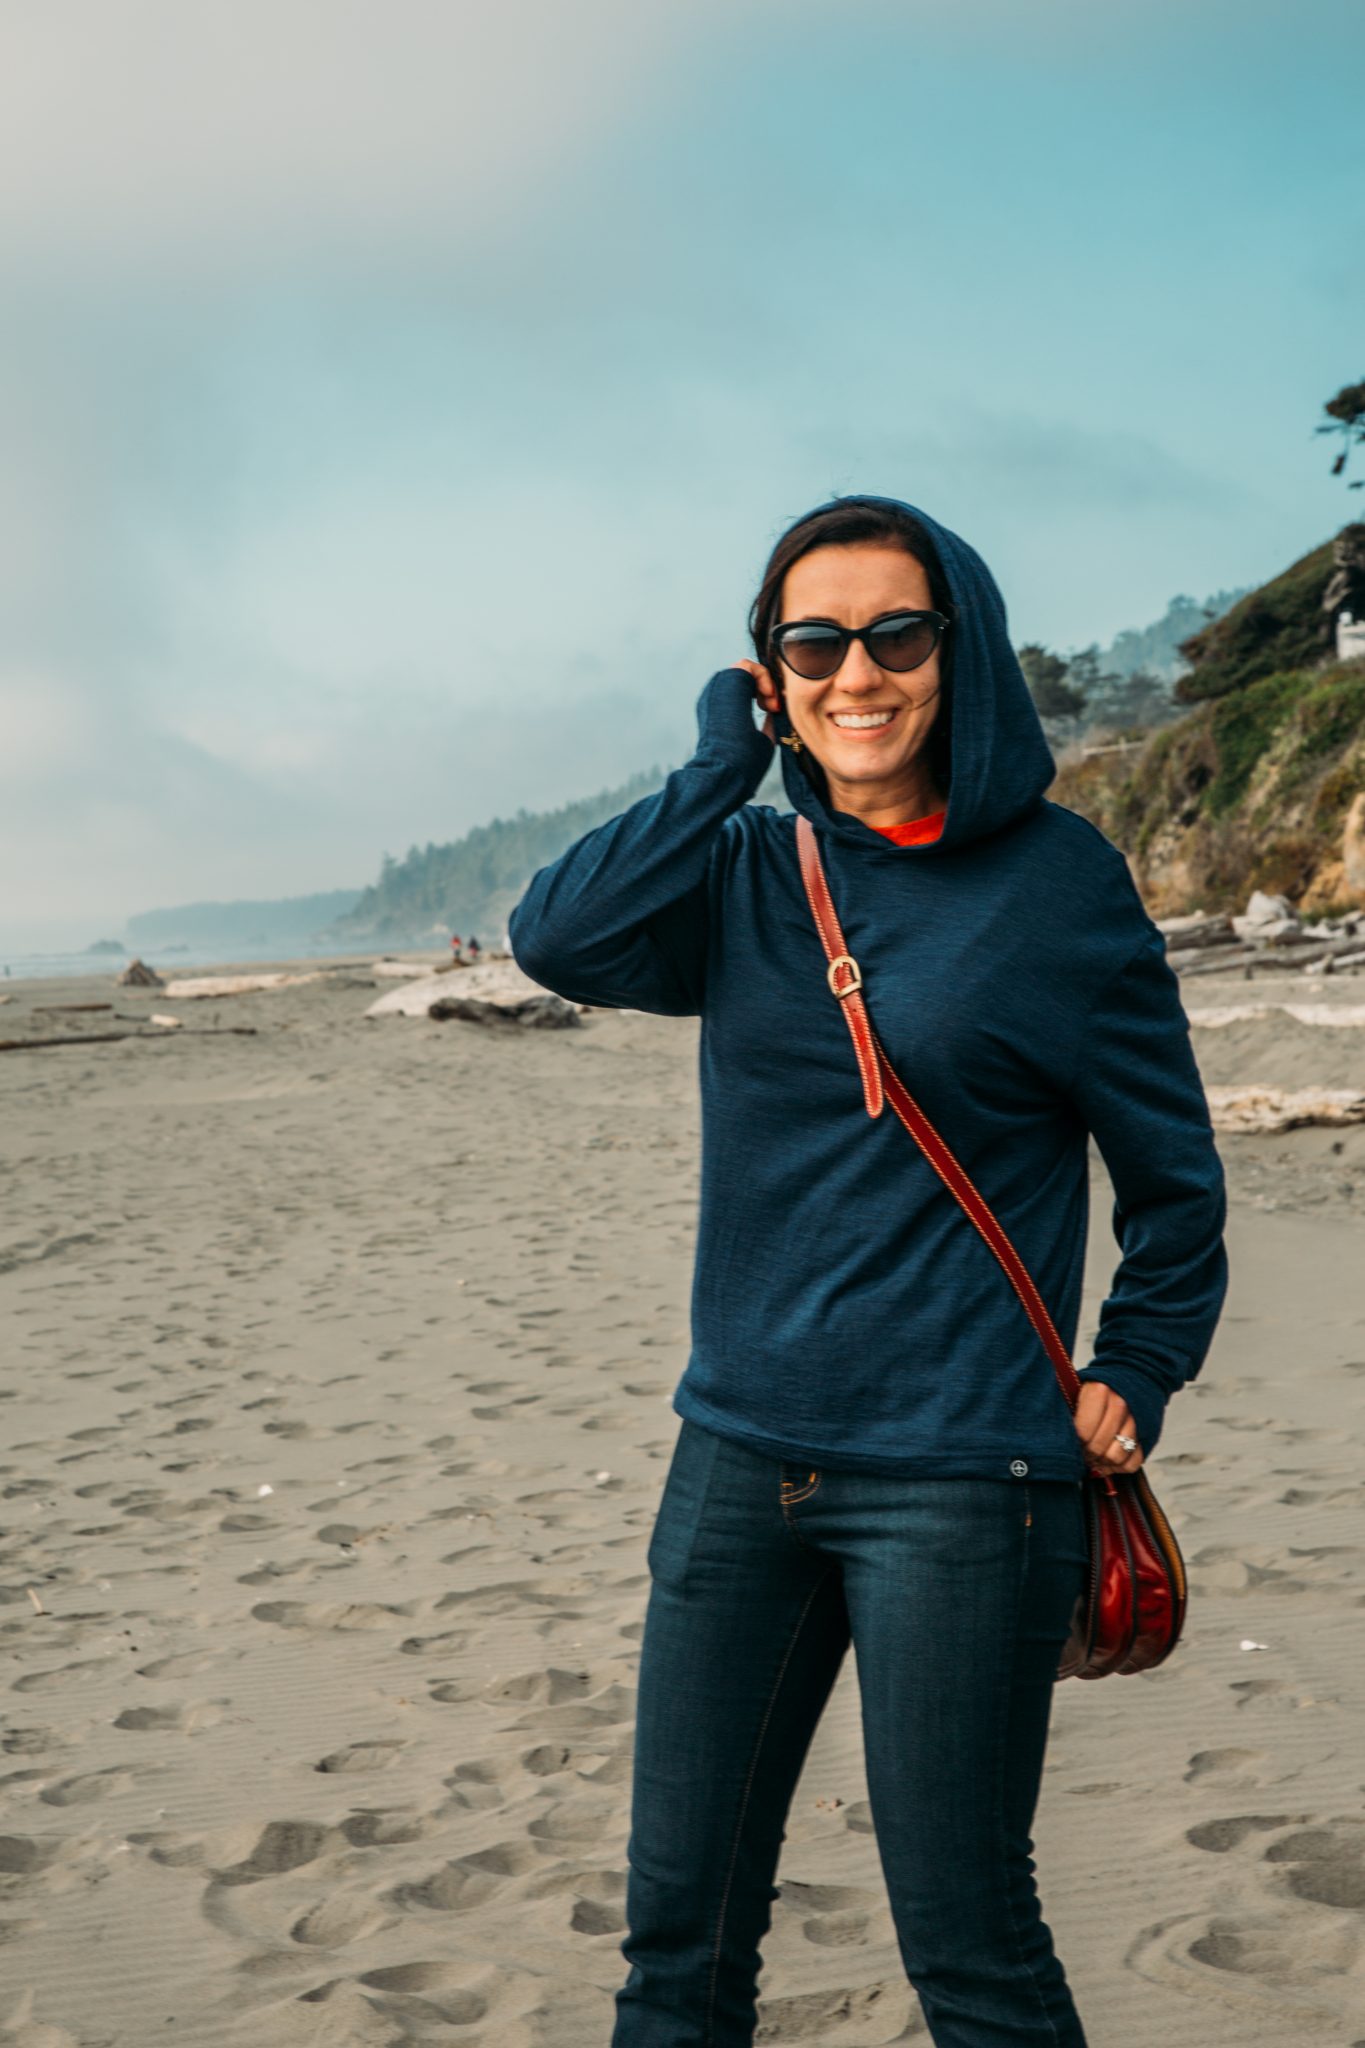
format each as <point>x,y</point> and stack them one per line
<point>335,1396</point>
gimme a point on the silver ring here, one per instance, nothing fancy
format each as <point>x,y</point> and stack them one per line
<point>1129,1442</point>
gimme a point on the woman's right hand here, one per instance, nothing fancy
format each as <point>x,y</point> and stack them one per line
<point>765,689</point>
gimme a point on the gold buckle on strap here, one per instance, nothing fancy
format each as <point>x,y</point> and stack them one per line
<point>844,960</point>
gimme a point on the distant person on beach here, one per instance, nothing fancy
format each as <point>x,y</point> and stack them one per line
<point>873,1447</point>
<point>455,952</point>
<point>473,947</point>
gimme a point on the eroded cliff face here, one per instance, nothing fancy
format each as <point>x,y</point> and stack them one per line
<point>1262,788</point>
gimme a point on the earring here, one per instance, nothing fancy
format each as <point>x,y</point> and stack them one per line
<point>790,740</point>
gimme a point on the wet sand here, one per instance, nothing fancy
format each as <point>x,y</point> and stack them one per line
<point>335,1407</point>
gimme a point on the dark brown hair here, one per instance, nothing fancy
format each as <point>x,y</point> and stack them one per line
<point>840,523</point>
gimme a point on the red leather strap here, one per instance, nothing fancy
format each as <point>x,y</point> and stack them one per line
<point>882,1084</point>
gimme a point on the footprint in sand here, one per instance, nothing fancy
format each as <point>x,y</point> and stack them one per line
<point>1326,1864</point>
<point>596,1898</point>
<point>26,1856</point>
<point>345,1615</point>
<point>62,1677</point>
<point>381,1827</point>
<point>445,1643</point>
<point>876,2016</point>
<point>86,1787</point>
<point>281,1845</point>
<point>1220,1836</point>
<point>1296,1926</point>
<point>1265,1947</point>
<point>481,1784</point>
<point>1256,1691</point>
<point>157,1720</point>
<point>830,1915</point>
<point>454,1692</point>
<point>512,1597</point>
<point>33,1741</point>
<point>576,1819</point>
<point>343,1917</point>
<point>373,1755</point>
<point>1235,1768</point>
<point>552,1686</point>
<point>469,1881</point>
<point>448,1993</point>
<point>423,1999</point>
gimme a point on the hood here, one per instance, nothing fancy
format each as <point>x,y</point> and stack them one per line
<point>1001,763</point>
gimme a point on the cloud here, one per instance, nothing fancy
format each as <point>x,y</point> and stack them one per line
<point>130,129</point>
<point>398,399</point>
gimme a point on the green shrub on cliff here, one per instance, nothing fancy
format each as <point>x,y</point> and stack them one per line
<point>1277,628</point>
<point>1248,791</point>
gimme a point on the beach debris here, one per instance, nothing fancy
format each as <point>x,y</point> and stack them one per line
<point>539,1012</point>
<point>1247,1644</point>
<point>137,974</point>
<point>1197,932</point>
<point>166,1022</point>
<point>1302,949</point>
<point>1267,917</point>
<point>76,1038</point>
<point>1330,962</point>
<point>1335,1016</point>
<point>108,1037</point>
<point>1282,1109</point>
<point>500,983</point>
<point>38,1607</point>
<point>600,1478</point>
<point>198,987</point>
<point>1269,933</point>
<point>60,1009</point>
<point>263,1490</point>
<point>1193,961</point>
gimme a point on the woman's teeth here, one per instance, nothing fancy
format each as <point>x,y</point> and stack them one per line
<point>858,721</point>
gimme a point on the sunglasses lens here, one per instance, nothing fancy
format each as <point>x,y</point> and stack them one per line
<point>813,651</point>
<point>903,643</point>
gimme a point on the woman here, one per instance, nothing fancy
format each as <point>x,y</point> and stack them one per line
<point>873,1447</point>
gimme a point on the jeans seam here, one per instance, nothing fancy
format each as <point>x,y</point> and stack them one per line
<point>791,1491</point>
<point>808,1549</point>
<point>1026,1968</point>
<point>709,2034</point>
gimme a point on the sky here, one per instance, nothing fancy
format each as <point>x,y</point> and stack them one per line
<point>400,398</point>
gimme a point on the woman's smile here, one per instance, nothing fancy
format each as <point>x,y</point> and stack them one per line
<point>863,721</point>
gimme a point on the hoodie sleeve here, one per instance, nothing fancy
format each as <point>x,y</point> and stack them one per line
<point>619,920</point>
<point>1139,1091</point>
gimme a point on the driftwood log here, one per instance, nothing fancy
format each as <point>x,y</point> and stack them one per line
<point>539,1012</point>
<point>108,1037</point>
<point>1282,1109</point>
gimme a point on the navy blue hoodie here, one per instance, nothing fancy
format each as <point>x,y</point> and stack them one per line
<point>844,1309</point>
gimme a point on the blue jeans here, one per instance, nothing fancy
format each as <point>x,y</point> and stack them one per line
<point>957,1595</point>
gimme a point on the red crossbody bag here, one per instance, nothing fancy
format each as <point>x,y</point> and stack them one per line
<point>1132,1608</point>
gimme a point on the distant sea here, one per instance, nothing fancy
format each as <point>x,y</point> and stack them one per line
<point>171,961</point>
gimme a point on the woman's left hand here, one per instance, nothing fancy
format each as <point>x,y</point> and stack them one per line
<point>1100,1416</point>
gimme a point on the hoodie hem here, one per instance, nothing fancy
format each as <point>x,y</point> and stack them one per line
<point>960,1461</point>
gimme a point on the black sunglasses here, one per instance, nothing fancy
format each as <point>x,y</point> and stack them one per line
<point>815,648</point>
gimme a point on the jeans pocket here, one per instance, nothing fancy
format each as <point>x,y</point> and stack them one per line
<point>679,1516</point>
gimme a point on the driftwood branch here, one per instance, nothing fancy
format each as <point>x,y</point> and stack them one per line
<point>106,1037</point>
